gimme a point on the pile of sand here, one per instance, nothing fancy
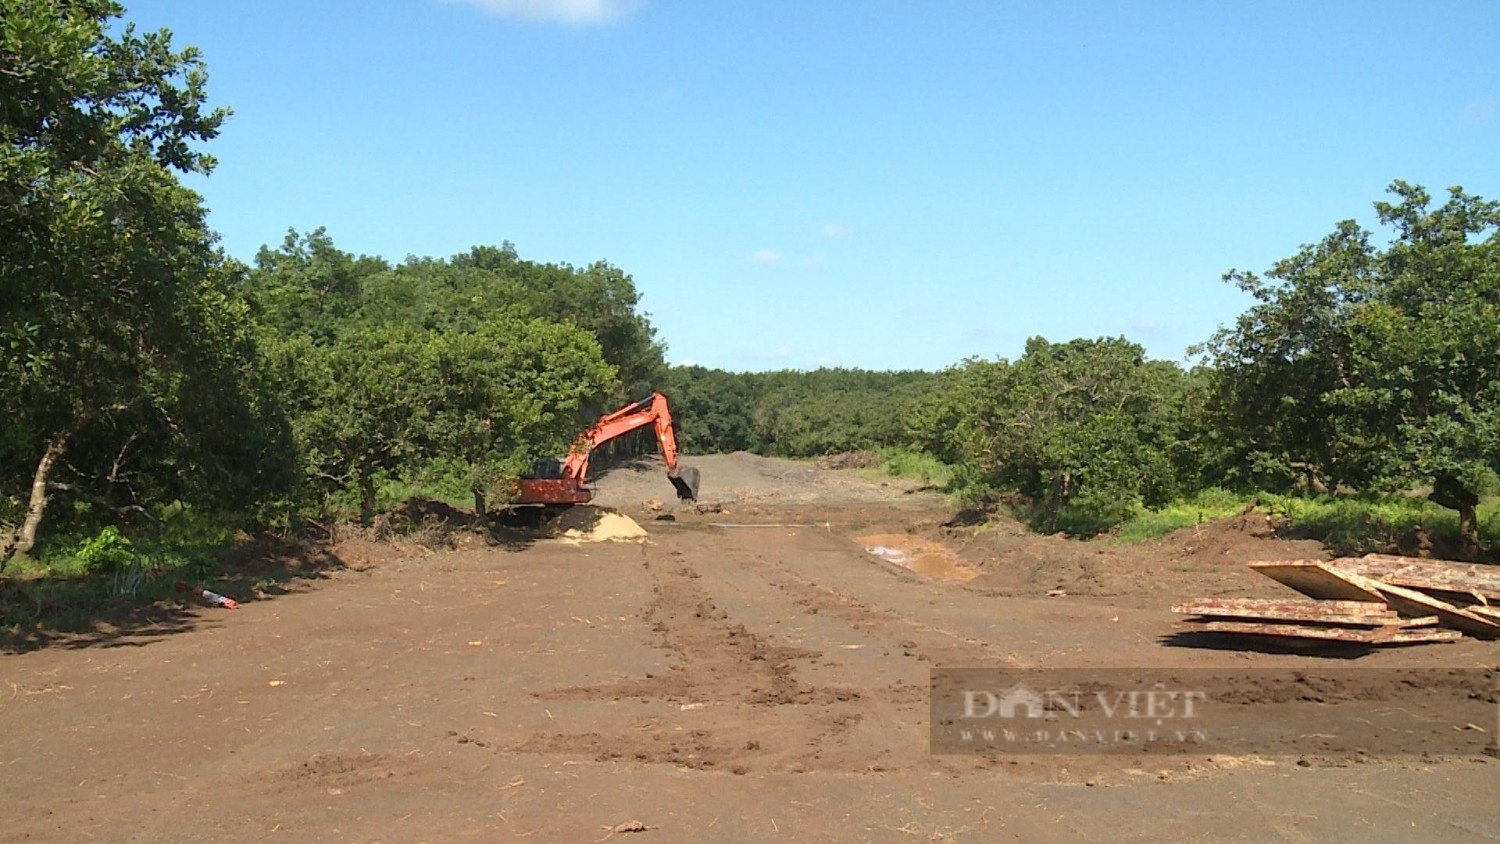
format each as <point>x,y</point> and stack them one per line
<point>596,524</point>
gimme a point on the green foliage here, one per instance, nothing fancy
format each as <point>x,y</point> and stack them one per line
<point>485,359</point>
<point>915,465</point>
<point>1374,369</point>
<point>386,402</point>
<point>1360,525</point>
<point>1203,506</point>
<point>128,375</point>
<point>308,286</point>
<point>712,409</point>
<point>1346,524</point>
<point>106,553</point>
<point>789,413</point>
<point>1080,429</point>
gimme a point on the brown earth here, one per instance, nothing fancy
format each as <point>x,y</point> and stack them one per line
<point>751,673</point>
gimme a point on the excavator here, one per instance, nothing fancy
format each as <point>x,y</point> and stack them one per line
<point>554,483</point>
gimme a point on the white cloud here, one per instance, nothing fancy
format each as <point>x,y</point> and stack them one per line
<point>1482,111</point>
<point>571,12</point>
<point>1149,326</point>
<point>774,356</point>
<point>765,256</point>
<point>834,230</point>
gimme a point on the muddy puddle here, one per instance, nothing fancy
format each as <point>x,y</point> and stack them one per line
<point>920,556</point>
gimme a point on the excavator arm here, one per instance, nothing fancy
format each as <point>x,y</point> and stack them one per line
<point>568,487</point>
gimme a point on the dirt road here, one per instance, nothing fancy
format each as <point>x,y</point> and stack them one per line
<point>715,682</point>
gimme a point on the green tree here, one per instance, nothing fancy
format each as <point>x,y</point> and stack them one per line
<point>1387,359</point>
<point>392,401</point>
<point>711,408</point>
<point>512,392</point>
<point>1285,354</point>
<point>601,299</point>
<point>107,269</point>
<point>309,286</point>
<point>1078,428</point>
<point>356,405</point>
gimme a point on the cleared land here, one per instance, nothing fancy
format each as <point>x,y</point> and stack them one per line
<point>718,681</point>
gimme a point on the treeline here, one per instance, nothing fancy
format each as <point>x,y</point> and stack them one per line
<point>791,413</point>
<point>146,375</point>
<point>1364,366</point>
<point>456,373</point>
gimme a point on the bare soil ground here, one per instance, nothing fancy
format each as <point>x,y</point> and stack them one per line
<point>747,674</point>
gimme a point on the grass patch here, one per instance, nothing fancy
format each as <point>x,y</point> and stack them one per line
<point>1345,525</point>
<point>916,465</point>
<point>71,581</point>
<point>1361,526</point>
<point>1205,506</point>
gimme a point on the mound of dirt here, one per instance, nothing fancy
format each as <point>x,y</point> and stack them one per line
<point>596,524</point>
<point>419,511</point>
<point>1205,560</point>
<point>1240,539</point>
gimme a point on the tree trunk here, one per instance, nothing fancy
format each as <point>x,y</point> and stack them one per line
<point>366,498</point>
<point>1448,491</point>
<point>479,503</point>
<point>23,538</point>
<point>1311,482</point>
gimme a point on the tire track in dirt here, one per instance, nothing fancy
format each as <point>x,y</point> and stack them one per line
<point>926,642</point>
<point>740,702</point>
<point>796,590</point>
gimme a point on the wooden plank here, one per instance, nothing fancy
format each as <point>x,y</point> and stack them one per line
<point>1482,574</point>
<point>1289,631</point>
<point>1310,614</point>
<point>1416,604</point>
<point>1440,575</point>
<point>1201,604</point>
<point>1317,580</point>
<point>1416,637</point>
<point>1485,612</point>
<point>1453,595</point>
<point>1333,634</point>
<point>1424,621</point>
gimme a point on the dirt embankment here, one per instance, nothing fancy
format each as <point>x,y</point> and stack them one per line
<point>1203,561</point>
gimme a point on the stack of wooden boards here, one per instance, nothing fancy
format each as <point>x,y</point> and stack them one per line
<point>1372,600</point>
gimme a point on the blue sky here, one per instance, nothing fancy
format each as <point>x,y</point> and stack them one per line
<point>878,184</point>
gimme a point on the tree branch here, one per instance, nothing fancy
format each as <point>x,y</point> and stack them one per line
<point>94,499</point>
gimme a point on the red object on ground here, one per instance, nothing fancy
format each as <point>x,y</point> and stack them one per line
<point>212,597</point>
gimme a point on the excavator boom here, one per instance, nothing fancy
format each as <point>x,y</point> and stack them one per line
<point>565,483</point>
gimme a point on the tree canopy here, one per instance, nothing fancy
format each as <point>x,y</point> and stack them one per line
<point>1081,429</point>
<point>1375,368</point>
<point>115,308</point>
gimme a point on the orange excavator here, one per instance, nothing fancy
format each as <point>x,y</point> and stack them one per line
<point>558,483</point>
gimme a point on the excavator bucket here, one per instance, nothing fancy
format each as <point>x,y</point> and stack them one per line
<point>686,481</point>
